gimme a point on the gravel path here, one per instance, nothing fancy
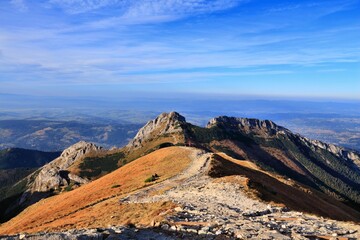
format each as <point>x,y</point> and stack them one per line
<point>198,166</point>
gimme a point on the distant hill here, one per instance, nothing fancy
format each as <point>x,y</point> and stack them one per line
<point>17,163</point>
<point>46,135</point>
<point>24,158</point>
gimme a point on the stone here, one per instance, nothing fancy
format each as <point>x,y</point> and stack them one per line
<point>202,232</point>
<point>206,228</point>
<point>191,230</point>
<point>165,226</point>
<point>22,236</point>
<point>178,209</point>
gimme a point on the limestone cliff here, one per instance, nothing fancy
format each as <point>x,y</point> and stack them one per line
<point>247,125</point>
<point>165,123</point>
<point>55,174</point>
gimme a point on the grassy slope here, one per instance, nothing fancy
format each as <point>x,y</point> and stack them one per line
<point>99,164</point>
<point>96,204</point>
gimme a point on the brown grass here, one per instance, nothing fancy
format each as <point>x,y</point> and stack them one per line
<point>244,163</point>
<point>152,143</point>
<point>96,203</point>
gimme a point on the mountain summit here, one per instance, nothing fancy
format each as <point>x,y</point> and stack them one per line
<point>164,124</point>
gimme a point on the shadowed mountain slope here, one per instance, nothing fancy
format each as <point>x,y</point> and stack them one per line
<point>23,158</point>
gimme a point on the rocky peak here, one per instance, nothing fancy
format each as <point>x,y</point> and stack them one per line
<point>165,123</point>
<point>73,153</point>
<point>247,125</point>
<point>338,151</point>
<point>54,174</point>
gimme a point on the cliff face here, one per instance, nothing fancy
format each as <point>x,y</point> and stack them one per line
<point>247,125</point>
<point>269,128</point>
<point>348,155</point>
<point>55,174</point>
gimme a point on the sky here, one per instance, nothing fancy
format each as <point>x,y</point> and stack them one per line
<point>111,48</point>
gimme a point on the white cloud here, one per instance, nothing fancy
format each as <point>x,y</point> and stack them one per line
<point>19,5</point>
<point>81,6</point>
<point>177,7</point>
<point>131,12</point>
<point>146,8</point>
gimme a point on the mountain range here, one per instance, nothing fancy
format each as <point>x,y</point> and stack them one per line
<point>235,178</point>
<point>55,135</point>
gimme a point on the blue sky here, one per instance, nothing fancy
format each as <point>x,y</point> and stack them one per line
<point>108,48</point>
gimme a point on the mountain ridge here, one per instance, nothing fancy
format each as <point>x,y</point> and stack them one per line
<point>269,162</point>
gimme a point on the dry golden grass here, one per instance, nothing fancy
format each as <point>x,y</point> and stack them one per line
<point>75,167</point>
<point>150,144</point>
<point>96,203</point>
<point>244,163</point>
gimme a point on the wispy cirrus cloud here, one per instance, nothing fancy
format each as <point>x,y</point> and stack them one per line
<point>130,12</point>
<point>19,5</point>
<point>82,6</point>
<point>143,8</point>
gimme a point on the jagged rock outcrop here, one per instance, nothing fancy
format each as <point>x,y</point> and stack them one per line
<point>338,151</point>
<point>55,174</point>
<point>247,125</point>
<point>269,128</point>
<point>165,123</point>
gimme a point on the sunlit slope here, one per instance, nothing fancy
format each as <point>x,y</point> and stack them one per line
<point>96,203</point>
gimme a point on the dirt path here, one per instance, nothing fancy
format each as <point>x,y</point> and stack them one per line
<point>198,167</point>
